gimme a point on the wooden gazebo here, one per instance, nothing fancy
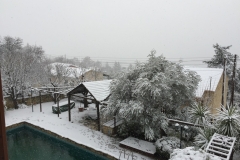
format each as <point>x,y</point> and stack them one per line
<point>97,91</point>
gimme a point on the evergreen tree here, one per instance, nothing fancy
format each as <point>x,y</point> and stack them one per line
<point>218,62</point>
<point>218,59</point>
<point>141,95</point>
<point>117,67</point>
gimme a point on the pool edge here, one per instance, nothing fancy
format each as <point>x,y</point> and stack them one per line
<point>54,135</point>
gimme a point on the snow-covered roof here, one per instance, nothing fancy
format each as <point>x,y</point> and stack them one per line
<point>208,76</point>
<point>72,70</point>
<point>99,89</point>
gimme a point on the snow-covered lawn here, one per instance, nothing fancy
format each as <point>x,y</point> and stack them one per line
<point>73,130</point>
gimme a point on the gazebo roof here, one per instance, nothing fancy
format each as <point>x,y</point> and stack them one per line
<point>100,90</point>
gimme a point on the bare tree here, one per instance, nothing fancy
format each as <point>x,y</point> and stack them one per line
<point>17,64</point>
<point>58,74</point>
<point>10,49</point>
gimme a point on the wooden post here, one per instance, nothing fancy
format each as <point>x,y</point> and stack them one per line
<point>114,123</point>
<point>114,120</point>
<point>58,105</point>
<point>31,100</point>
<point>233,81</point>
<point>82,77</point>
<point>54,95</point>
<point>98,114</point>
<point>69,111</point>
<point>85,102</point>
<point>181,136</point>
<point>3,139</point>
<point>224,64</point>
<point>40,101</point>
<point>95,73</point>
<point>22,95</point>
<point>209,93</point>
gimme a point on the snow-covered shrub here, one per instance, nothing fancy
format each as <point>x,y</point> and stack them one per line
<point>228,121</point>
<point>187,134</point>
<point>199,114</point>
<point>166,145</point>
<point>130,129</point>
<point>190,153</point>
<point>190,133</point>
<point>22,106</point>
<point>151,91</point>
<point>204,136</point>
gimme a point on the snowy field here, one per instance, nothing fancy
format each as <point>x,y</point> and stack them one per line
<point>73,130</point>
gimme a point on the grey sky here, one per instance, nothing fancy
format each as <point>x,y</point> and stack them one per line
<point>123,28</point>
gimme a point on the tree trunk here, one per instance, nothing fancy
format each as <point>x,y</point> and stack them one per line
<point>162,133</point>
<point>14,98</point>
<point>22,97</point>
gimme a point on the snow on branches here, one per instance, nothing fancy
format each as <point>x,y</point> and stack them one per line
<point>142,94</point>
<point>228,121</point>
<point>18,65</point>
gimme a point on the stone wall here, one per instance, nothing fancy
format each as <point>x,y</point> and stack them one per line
<point>27,100</point>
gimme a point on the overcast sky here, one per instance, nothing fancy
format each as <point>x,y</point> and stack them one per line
<point>123,28</point>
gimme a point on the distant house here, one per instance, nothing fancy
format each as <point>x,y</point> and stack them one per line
<point>73,73</point>
<point>209,90</point>
<point>93,74</point>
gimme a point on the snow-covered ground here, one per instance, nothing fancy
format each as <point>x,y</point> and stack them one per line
<point>189,153</point>
<point>73,130</point>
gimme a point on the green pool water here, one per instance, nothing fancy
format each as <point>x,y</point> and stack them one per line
<point>25,143</point>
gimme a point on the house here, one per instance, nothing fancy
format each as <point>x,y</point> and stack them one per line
<point>93,74</point>
<point>65,73</point>
<point>209,90</point>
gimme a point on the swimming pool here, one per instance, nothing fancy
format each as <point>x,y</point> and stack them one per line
<point>28,143</point>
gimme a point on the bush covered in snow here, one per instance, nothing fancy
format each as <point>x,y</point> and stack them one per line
<point>130,129</point>
<point>199,114</point>
<point>22,106</point>
<point>142,94</point>
<point>190,153</point>
<point>228,121</point>
<point>204,136</point>
<point>166,145</point>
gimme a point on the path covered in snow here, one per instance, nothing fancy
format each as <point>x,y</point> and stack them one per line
<point>73,130</point>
